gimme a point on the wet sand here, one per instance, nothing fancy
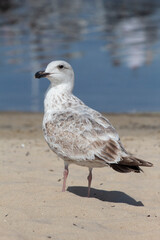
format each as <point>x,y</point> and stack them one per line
<point>32,206</point>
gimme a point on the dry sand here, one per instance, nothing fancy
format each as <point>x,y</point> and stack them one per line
<point>32,206</point>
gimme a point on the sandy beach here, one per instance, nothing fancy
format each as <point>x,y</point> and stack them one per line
<point>121,206</point>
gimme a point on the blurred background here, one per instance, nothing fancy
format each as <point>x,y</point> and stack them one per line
<point>112,45</point>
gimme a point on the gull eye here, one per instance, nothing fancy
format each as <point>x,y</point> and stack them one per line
<point>60,66</point>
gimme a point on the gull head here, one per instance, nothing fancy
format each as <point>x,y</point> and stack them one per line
<point>58,72</point>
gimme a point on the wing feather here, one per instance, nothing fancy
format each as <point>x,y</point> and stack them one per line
<point>82,136</point>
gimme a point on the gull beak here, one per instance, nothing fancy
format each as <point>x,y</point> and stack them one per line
<point>41,74</point>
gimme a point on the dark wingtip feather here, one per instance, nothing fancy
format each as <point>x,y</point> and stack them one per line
<point>130,164</point>
<point>126,169</point>
<point>133,161</point>
<point>148,164</point>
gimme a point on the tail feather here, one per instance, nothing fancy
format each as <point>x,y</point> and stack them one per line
<point>126,169</point>
<point>130,164</point>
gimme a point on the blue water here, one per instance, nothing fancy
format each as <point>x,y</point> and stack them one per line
<point>113,47</point>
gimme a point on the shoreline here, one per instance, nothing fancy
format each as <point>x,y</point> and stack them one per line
<point>32,122</point>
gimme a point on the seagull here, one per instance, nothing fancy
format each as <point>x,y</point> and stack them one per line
<point>77,133</point>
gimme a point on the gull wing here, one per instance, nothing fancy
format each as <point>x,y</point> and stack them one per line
<point>82,136</point>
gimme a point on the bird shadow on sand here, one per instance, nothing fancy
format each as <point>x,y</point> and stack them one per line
<point>106,196</point>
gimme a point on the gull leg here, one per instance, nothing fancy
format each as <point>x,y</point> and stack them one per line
<point>89,181</point>
<point>65,175</point>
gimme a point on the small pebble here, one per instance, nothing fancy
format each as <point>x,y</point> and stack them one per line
<point>27,153</point>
